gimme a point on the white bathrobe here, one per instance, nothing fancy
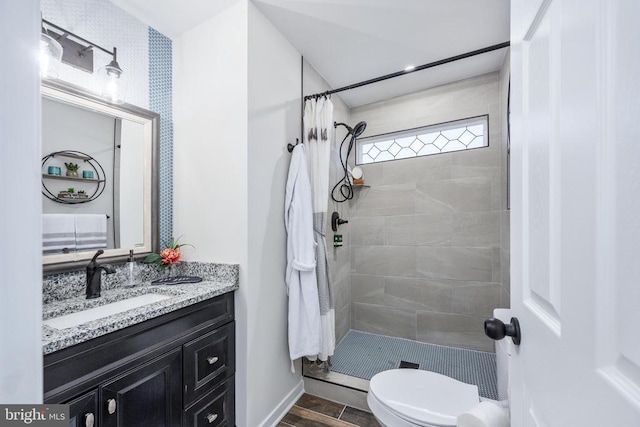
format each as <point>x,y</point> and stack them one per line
<point>305,329</point>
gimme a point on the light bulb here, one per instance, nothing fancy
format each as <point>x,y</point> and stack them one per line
<point>50,56</point>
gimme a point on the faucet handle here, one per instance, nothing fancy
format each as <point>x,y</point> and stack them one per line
<point>108,268</point>
<point>98,253</point>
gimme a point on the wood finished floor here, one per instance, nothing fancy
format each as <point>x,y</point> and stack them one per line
<point>313,411</point>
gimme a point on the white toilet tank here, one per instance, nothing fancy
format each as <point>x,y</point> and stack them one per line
<point>503,354</point>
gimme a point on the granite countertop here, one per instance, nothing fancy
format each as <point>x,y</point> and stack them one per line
<point>179,296</point>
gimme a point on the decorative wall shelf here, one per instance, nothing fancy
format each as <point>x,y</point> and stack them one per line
<point>71,178</point>
<point>74,198</point>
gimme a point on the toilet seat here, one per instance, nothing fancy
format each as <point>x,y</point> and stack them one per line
<point>422,398</point>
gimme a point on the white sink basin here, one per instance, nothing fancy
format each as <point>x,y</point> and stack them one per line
<point>80,317</point>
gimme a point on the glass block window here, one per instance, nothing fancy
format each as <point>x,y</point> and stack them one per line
<point>458,135</point>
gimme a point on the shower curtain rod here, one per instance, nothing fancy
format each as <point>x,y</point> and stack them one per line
<point>413,70</point>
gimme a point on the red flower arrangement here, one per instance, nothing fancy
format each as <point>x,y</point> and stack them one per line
<point>169,256</point>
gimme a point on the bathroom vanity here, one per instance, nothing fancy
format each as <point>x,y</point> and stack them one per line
<point>170,362</point>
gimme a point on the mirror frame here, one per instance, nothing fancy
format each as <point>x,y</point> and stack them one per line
<point>78,96</point>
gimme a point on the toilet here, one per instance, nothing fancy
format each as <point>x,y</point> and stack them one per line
<point>411,397</point>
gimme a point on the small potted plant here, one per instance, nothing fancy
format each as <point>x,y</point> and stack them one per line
<point>72,169</point>
<point>82,194</point>
<point>66,194</point>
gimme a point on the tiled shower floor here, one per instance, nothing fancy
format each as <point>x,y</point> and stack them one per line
<point>363,355</point>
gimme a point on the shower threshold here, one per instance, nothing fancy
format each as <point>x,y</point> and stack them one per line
<point>361,355</point>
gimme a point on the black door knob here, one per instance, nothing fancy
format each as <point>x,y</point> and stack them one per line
<point>496,329</point>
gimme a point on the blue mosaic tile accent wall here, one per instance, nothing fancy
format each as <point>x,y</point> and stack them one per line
<point>160,95</point>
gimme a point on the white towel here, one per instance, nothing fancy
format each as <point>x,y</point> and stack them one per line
<point>58,234</point>
<point>91,232</point>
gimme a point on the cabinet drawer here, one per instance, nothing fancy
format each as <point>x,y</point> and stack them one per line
<point>216,409</point>
<point>208,360</point>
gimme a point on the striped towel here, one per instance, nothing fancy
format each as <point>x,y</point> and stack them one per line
<point>58,234</point>
<point>91,232</point>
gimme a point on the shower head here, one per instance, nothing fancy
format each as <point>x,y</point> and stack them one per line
<point>356,131</point>
<point>359,128</point>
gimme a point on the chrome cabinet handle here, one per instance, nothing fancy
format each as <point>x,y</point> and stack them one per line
<point>212,417</point>
<point>212,360</point>
<point>89,420</point>
<point>111,406</point>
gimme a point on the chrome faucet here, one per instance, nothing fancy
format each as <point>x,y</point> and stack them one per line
<point>94,275</point>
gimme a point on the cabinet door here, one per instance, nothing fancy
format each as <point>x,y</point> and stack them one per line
<point>149,395</point>
<point>83,411</point>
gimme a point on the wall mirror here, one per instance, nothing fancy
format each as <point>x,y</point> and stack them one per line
<point>99,178</point>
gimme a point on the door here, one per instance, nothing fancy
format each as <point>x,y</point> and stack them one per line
<point>150,395</point>
<point>575,67</point>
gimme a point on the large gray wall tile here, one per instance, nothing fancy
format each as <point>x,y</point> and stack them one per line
<point>372,174</point>
<point>367,289</point>
<point>476,298</point>
<point>386,200</point>
<point>425,168</point>
<point>455,330</point>
<point>476,229</point>
<point>366,231</point>
<point>477,162</point>
<point>417,294</point>
<point>496,271</point>
<point>484,157</point>
<point>384,260</point>
<point>385,321</point>
<point>457,263</point>
<point>505,298</point>
<point>454,195</point>
<point>343,323</point>
<point>496,193</point>
<point>418,230</point>
<point>342,293</point>
<point>505,269</point>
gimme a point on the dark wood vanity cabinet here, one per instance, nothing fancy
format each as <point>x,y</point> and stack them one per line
<point>174,370</point>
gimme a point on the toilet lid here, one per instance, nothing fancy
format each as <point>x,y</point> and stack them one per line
<point>422,396</point>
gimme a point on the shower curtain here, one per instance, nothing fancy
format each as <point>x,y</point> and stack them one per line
<point>318,130</point>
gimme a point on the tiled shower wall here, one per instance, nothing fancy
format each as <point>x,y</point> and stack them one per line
<point>425,238</point>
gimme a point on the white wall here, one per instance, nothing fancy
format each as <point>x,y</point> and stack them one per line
<point>20,227</point>
<point>210,158</point>
<point>274,120</point>
<point>236,105</point>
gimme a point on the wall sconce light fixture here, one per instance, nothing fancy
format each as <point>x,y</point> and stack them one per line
<point>60,45</point>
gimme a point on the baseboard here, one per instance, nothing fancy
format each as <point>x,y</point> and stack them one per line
<point>283,407</point>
